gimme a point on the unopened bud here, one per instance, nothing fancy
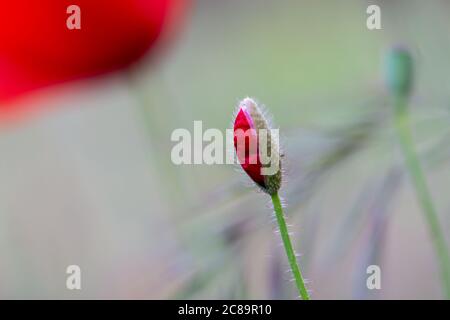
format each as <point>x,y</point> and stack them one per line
<point>250,130</point>
<point>399,71</point>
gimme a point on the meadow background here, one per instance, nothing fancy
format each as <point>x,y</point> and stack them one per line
<point>90,182</point>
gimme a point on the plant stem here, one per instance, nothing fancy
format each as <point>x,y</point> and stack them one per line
<point>423,194</point>
<point>288,247</point>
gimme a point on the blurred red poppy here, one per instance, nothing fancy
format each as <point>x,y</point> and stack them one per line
<point>37,48</point>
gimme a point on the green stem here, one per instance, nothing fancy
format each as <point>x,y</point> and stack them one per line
<point>423,194</point>
<point>288,247</point>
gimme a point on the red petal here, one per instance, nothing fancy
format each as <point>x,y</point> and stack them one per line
<point>242,124</point>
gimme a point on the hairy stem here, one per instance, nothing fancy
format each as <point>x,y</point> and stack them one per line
<point>288,247</point>
<point>422,192</point>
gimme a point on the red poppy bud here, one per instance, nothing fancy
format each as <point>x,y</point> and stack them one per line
<point>249,125</point>
<point>37,48</point>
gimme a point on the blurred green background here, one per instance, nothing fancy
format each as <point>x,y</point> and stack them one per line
<point>92,183</point>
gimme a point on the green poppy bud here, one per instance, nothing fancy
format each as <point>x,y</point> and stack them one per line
<point>399,71</point>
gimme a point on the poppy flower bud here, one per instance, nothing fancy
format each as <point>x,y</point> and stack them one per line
<point>256,146</point>
<point>399,71</point>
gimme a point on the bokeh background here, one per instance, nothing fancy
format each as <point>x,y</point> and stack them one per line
<point>89,181</point>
